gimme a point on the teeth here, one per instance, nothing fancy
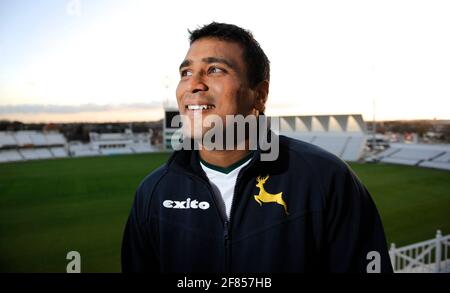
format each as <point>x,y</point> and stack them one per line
<point>199,107</point>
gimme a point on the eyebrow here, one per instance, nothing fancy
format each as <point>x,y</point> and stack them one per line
<point>208,60</point>
<point>185,63</point>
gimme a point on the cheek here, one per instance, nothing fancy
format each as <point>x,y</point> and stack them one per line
<point>244,101</point>
<point>228,103</point>
<point>228,96</point>
<point>178,91</point>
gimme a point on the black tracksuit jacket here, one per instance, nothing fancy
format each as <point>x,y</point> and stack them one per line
<point>330,225</point>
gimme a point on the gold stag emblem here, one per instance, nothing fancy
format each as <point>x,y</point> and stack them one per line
<point>266,197</point>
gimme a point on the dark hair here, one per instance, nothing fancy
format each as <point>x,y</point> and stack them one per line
<point>258,65</point>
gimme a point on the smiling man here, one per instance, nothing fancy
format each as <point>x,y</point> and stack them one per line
<point>230,210</point>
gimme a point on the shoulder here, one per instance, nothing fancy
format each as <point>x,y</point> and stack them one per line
<point>151,180</point>
<point>146,189</point>
<point>314,157</point>
<point>339,185</point>
<point>331,175</point>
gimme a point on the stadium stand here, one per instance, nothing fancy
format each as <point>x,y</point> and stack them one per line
<point>422,155</point>
<point>7,140</point>
<point>121,143</point>
<point>78,149</point>
<point>354,148</point>
<point>116,151</point>
<point>34,145</point>
<point>29,154</point>
<point>85,153</point>
<point>44,153</point>
<point>334,144</point>
<point>35,154</point>
<point>142,149</point>
<point>56,139</point>
<point>342,135</point>
<point>10,156</point>
<point>38,139</point>
<point>31,145</point>
<point>59,152</point>
<point>442,161</point>
<point>23,138</point>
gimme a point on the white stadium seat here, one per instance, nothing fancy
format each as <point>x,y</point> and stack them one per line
<point>388,152</point>
<point>35,154</point>
<point>333,144</point>
<point>142,149</point>
<point>56,139</point>
<point>342,135</point>
<point>59,152</point>
<point>115,151</point>
<point>436,165</point>
<point>10,156</point>
<point>44,153</point>
<point>7,139</point>
<point>441,161</point>
<point>399,161</point>
<point>29,154</point>
<point>38,139</point>
<point>415,154</point>
<point>444,158</point>
<point>85,153</point>
<point>23,138</point>
<point>348,147</point>
<point>3,157</point>
<point>423,155</point>
<point>354,148</point>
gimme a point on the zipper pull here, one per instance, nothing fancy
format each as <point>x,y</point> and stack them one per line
<point>225,232</point>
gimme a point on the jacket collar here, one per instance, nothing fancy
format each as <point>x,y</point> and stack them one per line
<point>188,161</point>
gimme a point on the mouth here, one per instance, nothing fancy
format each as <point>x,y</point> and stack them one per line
<point>199,108</point>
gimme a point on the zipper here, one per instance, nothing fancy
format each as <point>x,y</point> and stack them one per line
<point>212,196</point>
<point>227,226</point>
<point>226,222</point>
<point>236,185</point>
<point>226,236</point>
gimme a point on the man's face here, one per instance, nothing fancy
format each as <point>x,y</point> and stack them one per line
<point>213,80</point>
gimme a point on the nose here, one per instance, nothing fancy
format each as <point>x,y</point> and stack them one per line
<point>197,84</point>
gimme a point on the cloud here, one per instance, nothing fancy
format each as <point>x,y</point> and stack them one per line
<point>73,109</point>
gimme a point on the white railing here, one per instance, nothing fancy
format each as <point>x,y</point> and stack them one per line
<point>431,256</point>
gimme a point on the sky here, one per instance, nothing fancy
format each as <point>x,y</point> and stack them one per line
<point>111,60</point>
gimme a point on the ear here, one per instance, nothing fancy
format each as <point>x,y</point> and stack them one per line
<point>262,92</point>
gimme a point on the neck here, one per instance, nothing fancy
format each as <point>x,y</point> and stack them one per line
<point>224,158</point>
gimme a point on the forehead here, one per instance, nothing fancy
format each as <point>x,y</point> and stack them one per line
<point>212,47</point>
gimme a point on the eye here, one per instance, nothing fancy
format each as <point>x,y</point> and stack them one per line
<point>185,72</point>
<point>215,69</point>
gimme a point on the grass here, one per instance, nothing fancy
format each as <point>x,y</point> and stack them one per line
<point>413,202</point>
<point>50,207</point>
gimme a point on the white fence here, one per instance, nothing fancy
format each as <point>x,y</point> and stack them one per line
<point>431,256</point>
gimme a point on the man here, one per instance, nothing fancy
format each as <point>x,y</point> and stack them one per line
<point>212,210</point>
